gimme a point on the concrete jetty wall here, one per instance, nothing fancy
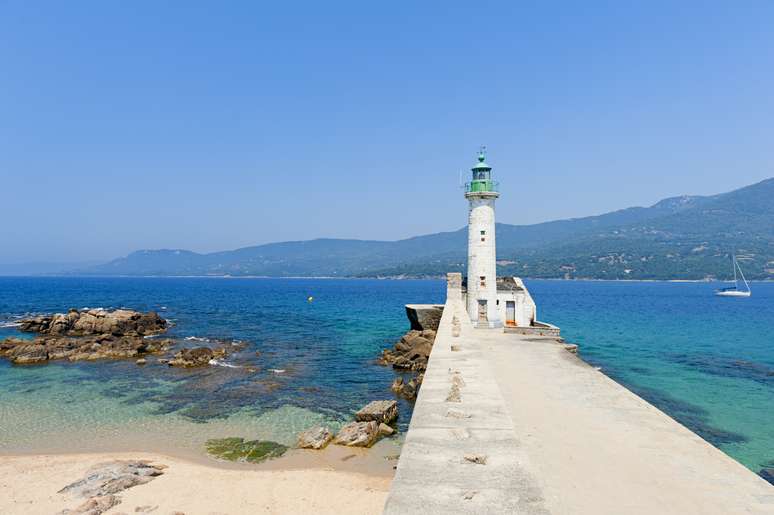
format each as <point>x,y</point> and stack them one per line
<point>461,453</point>
<point>514,423</point>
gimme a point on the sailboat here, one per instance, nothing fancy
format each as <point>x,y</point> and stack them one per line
<point>734,291</point>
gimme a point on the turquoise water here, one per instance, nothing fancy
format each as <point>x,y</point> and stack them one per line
<point>315,362</point>
<point>706,361</point>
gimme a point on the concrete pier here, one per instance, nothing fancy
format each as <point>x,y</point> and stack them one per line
<point>514,423</point>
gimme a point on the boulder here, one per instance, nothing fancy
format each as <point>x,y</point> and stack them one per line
<point>397,385</point>
<point>315,438</point>
<point>379,411</point>
<point>358,434</point>
<point>385,430</point>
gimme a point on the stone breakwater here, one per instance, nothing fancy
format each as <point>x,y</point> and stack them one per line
<point>518,423</point>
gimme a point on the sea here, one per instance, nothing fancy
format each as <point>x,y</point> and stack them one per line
<point>303,353</point>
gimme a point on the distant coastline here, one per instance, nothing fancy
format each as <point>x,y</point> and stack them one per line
<point>379,278</point>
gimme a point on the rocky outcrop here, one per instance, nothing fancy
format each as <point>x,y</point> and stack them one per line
<point>378,411</point>
<point>120,322</point>
<point>103,481</point>
<point>196,357</point>
<point>107,346</point>
<point>315,438</point>
<point>87,335</point>
<point>411,352</point>
<point>358,434</point>
<point>113,477</point>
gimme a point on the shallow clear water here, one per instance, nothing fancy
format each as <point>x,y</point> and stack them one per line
<point>706,361</point>
<point>325,351</point>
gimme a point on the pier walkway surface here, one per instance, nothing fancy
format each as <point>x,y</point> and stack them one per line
<point>510,423</point>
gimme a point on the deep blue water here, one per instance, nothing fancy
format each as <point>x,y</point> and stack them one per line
<point>706,361</point>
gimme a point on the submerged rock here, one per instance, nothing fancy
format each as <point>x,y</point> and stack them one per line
<point>358,434</point>
<point>196,357</point>
<point>315,438</point>
<point>767,474</point>
<point>379,411</point>
<point>48,348</point>
<point>238,449</point>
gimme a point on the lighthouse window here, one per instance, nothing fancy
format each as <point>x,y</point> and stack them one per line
<point>483,281</point>
<point>483,233</point>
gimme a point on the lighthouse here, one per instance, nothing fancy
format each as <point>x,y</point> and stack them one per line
<point>481,193</point>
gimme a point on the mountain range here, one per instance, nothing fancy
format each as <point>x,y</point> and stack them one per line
<point>687,237</point>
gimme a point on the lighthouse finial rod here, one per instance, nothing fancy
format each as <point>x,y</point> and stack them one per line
<point>482,153</point>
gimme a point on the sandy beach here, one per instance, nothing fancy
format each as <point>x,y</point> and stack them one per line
<point>29,486</point>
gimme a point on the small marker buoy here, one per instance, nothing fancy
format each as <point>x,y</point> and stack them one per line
<point>309,299</point>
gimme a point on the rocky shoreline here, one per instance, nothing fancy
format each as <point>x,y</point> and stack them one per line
<point>98,334</point>
<point>410,354</point>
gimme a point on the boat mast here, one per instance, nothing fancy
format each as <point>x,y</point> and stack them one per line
<point>746,285</point>
<point>734,265</point>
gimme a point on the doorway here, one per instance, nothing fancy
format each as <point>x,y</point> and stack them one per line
<point>482,311</point>
<point>510,313</point>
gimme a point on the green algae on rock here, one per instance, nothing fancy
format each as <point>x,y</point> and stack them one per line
<point>237,449</point>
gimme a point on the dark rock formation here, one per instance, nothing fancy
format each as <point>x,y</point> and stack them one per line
<point>767,474</point>
<point>196,357</point>
<point>237,449</point>
<point>315,438</point>
<point>358,434</point>
<point>379,411</point>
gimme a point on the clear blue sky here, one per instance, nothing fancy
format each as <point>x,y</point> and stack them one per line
<point>215,125</point>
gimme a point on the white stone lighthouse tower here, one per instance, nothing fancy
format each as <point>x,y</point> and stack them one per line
<point>481,193</point>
